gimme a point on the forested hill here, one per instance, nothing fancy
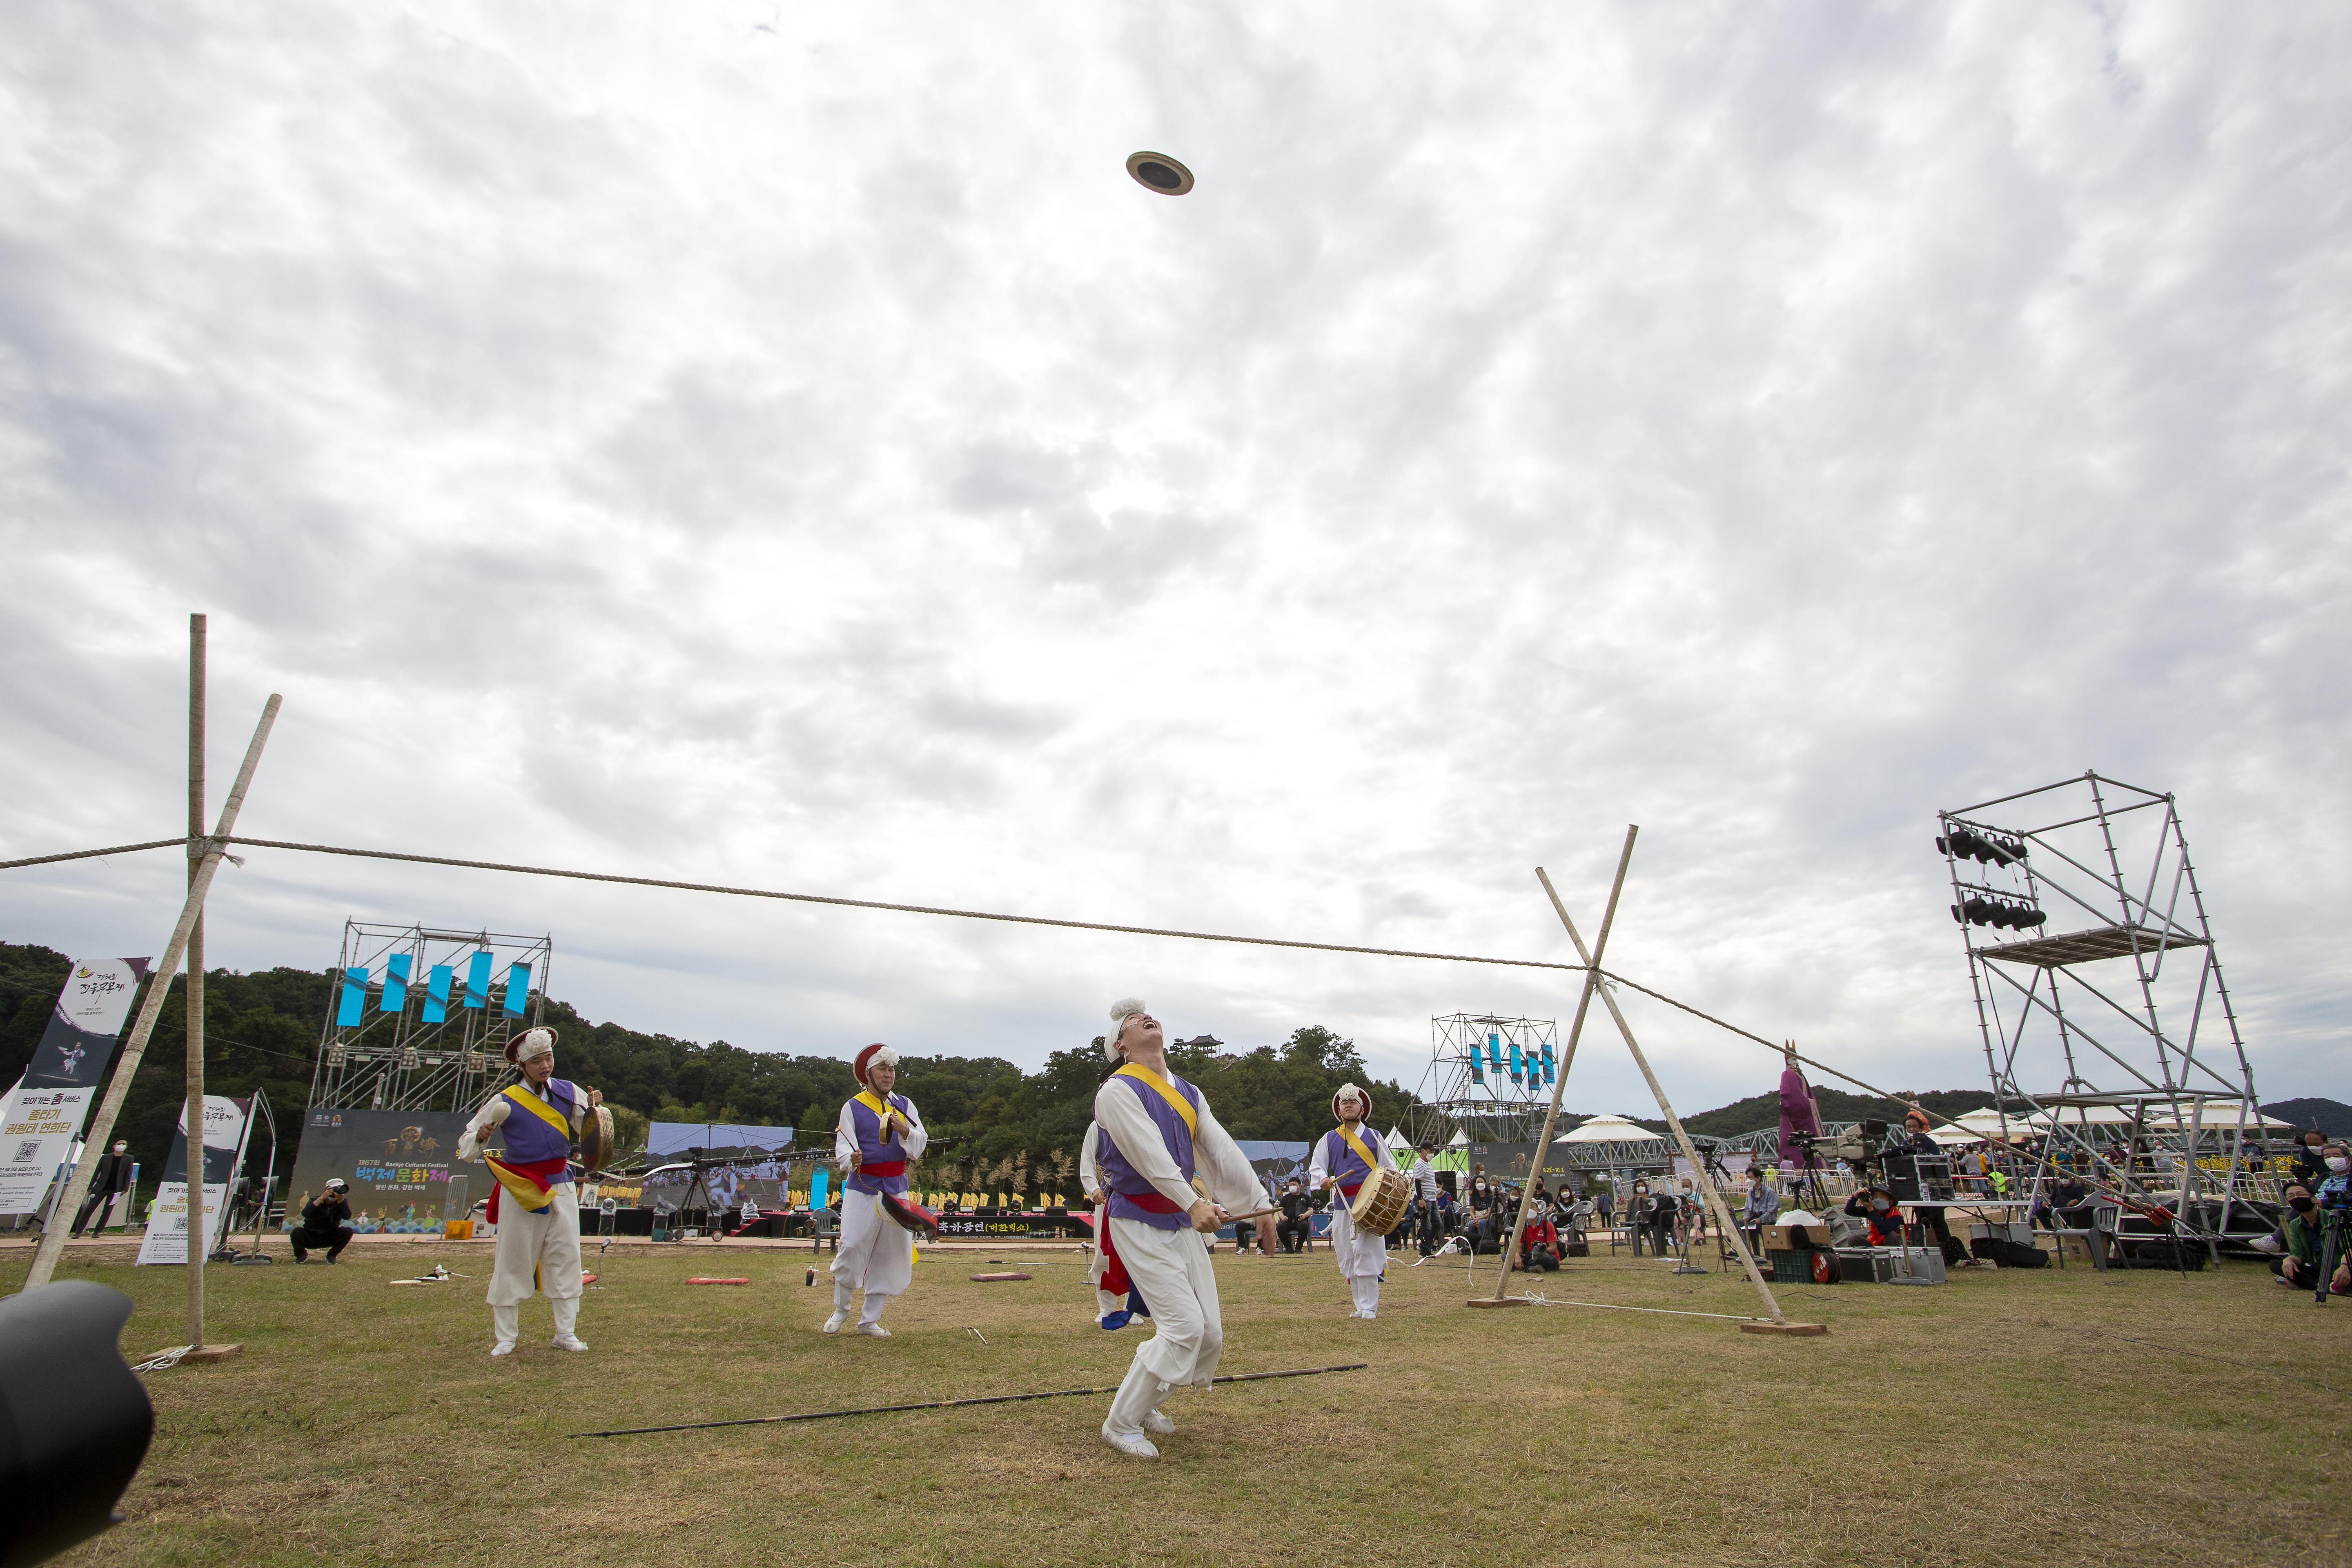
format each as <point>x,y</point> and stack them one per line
<point>261,1031</point>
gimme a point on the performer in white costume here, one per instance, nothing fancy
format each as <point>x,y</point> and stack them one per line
<point>877,1136</point>
<point>1156,1135</point>
<point>1343,1158</point>
<point>533,1206</point>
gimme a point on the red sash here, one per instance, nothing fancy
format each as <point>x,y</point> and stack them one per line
<point>1114,1275</point>
<point>535,1173</point>
<point>1348,1192</point>
<point>1152,1203</point>
<point>880,1168</point>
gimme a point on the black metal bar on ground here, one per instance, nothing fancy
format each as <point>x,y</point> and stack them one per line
<point>949,1404</point>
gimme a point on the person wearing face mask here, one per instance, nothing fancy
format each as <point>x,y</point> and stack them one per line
<point>1693,1212</point>
<point>2327,1224</point>
<point>112,1180</point>
<point>1876,1208</point>
<point>2298,1260</point>
<point>2309,1165</point>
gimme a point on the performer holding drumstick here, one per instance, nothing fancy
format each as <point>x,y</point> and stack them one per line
<point>1157,1135</point>
<point>1343,1158</point>
<point>878,1134</point>
<point>533,1206</point>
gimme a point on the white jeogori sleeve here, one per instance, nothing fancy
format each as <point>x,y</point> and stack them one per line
<point>845,1136</point>
<point>1137,1137</point>
<point>1387,1155</point>
<point>494,1114</point>
<point>1318,1168</point>
<point>1225,1169</point>
<point>918,1137</point>
<point>1089,1170</point>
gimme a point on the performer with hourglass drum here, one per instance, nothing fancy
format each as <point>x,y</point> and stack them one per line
<point>1348,1160</point>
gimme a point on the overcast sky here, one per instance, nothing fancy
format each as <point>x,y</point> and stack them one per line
<point>781,445</point>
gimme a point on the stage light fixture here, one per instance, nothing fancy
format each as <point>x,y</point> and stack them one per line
<point>1159,172</point>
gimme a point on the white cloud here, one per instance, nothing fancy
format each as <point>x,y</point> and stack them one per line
<point>802,457</point>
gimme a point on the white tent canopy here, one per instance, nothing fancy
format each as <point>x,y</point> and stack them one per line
<point>1609,1129</point>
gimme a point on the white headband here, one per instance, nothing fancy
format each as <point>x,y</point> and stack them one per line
<point>534,1043</point>
<point>1123,1010</point>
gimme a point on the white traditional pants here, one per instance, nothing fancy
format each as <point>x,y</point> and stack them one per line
<point>1172,1268</point>
<point>537,1253</point>
<point>877,1255</point>
<point>1359,1255</point>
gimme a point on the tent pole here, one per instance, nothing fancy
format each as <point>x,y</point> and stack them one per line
<point>195,1114</point>
<point>118,1088</point>
<point>1567,1060</point>
<point>1673,1122</point>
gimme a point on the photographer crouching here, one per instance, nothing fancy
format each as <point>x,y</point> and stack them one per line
<point>326,1222</point>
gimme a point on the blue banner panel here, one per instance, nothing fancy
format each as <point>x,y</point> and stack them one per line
<point>354,1003</point>
<point>518,988</point>
<point>437,993</point>
<point>477,980</point>
<point>395,983</point>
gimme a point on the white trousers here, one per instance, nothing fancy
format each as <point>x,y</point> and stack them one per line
<point>537,1253</point>
<point>1365,1289</point>
<point>876,1254</point>
<point>1359,1254</point>
<point>508,1320</point>
<point>1171,1268</point>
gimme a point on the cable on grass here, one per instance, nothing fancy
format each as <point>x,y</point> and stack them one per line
<point>951,1404</point>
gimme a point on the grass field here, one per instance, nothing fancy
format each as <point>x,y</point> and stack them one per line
<point>2009,1417</point>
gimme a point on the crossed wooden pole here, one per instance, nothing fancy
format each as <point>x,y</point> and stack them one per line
<point>1779,1323</point>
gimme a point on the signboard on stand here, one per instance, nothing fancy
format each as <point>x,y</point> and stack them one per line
<point>43,1113</point>
<point>226,1122</point>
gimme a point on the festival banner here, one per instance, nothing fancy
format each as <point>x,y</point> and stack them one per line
<point>43,1114</point>
<point>226,1122</point>
<point>401,1165</point>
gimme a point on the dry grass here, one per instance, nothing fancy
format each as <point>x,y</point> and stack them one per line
<point>2007,1418</point>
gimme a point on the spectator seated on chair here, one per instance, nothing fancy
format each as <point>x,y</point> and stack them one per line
<point>2066,1206</point>
<point>1876,1208</point>
<point>1297,1224</point>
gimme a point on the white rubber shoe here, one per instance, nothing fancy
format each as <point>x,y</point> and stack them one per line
<point>1157,1424</point>
<point>569,1342</point>
<point>504,1347</point>
<point>1134,1443</point>
<point>874,1330</point>
<point>840,1316</point>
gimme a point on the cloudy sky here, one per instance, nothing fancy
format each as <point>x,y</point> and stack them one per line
<point>780,445</point>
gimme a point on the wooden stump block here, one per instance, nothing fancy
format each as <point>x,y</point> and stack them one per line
<point>1490,1302</point>
<point>983,1279</point>
<point>1798,1330</point>
<point>212,1353</point>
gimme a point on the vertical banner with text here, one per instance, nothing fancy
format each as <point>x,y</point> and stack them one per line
<point>226,1122</point>
<point>43,1113</point>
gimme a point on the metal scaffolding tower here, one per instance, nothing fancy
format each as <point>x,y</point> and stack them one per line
<point>1492,1078</point>
<point>2099,990</point>
<point>421,1018</point>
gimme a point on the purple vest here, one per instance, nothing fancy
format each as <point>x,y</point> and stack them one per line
<point>873,1151</point>
<point>1345,1162</point>
<point>1119,1176</point>
<point>528,1138</point>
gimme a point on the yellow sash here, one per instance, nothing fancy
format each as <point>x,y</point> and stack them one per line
<point>1358,1145</point>
<point>882,1109</point>
<point>538,1108</point>
<point>1166,1091</point>
<point>533,1197</point>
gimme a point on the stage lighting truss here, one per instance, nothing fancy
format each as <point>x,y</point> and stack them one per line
<point>1489,1078</point>
<point>2117,1026</point>
<point>420,1017</point>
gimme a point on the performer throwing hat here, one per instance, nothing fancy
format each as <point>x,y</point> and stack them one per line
<point>1343,1157</point>
<point>877,1136</point>
<point>1157,1135</point>
<point>533,1206</point>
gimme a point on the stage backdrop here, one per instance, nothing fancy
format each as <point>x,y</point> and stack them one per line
<point>1276,1161</point>
<point>720,1140</point>
<point>403,1166</point>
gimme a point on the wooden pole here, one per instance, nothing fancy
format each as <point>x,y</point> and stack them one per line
<point>53,1239</point>
<point>1698,1169</point>
<point>1567,1059</point>
<point>195,998</point>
